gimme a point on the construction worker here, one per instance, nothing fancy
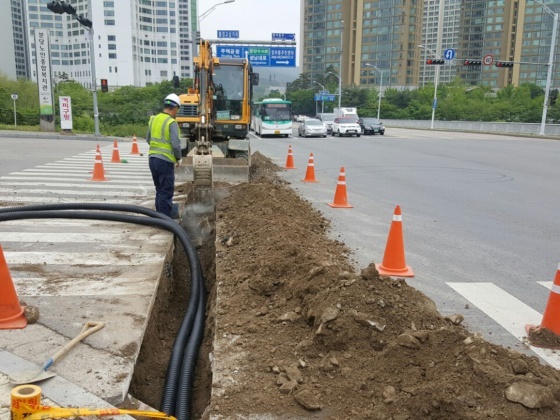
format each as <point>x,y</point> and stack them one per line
<point>165,153</point>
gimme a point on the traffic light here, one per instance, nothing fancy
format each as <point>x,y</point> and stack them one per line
<point>61,7</point>
<point>104,85</point>
<point>84,21</point>
<point>504,63</point>
<point>56,7</point>
<point>68,8</point>
<point>437,61</point>
<point>472,63</point>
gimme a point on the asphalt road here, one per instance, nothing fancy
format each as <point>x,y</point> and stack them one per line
<point>479,211</point>
<point>480,214</point>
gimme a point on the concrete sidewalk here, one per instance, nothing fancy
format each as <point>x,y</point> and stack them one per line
<point>76,271</point>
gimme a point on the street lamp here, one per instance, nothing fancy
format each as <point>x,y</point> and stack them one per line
<point>436,79</point>
<point>14,98</point>
<point>380,87</point>
<point>206,13</point>
<point>322,99</point>
<point>202,17</point>
<point>550,63</point>
<point>340,68</point>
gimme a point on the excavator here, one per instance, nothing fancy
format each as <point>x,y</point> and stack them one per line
<point>215,118</point>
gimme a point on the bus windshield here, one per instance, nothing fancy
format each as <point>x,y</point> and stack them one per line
<point>275,112</point>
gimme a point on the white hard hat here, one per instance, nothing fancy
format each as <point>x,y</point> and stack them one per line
<point>172,100</point>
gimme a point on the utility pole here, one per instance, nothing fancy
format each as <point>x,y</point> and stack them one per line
<point>340,69</point>
<point>550,64</point>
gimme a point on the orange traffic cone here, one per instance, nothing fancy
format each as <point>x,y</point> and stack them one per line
<point>116,156</point>
<point>393,259</point>
<point>551,317</point>
<point>310,173</point>
<point>290,159</point>
<point>134,150</point>
<point>11,312</point>
<point>340,200</point>
<point>98,170</point>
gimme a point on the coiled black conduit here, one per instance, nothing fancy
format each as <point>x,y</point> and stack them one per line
<point>177,392</point>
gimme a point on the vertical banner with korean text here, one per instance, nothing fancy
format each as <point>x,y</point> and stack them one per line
<point>65,105</point>
<point>43,58</point>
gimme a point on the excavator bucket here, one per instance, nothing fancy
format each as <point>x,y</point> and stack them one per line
<point>215,168</point>
<point>230,170</point>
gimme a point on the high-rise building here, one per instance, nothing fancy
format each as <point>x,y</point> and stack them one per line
<point>398,36</point>
<point>135,42</point>
<point>384,33</point>
<point>440,32</point>
<point>13,49</point>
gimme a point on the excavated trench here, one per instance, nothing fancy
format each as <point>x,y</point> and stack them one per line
<point>170,306</point>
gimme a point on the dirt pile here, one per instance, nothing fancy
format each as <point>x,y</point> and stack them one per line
<point>321,340</point>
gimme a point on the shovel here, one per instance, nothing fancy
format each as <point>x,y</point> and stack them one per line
<point>28,377</point>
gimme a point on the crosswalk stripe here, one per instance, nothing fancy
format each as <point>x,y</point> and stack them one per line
<point>119,284</point>
<point>93,185</point>
<point>81,258</point>
<point>506,310</point>
<point>78,237</point>
<point>35,191</point>
<point>33,178</point>
<point>547,284</point>
<point>80,174</point>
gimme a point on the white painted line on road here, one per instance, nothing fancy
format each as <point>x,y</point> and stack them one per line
<point>100,185</point>
<point>112,239</point>
<point>127,168</point>
<point>78,174</point>
<point>9,201</point>
<point>41,191</point>
<point>506,310</point>
<point>82,258</point>
<point>547,284</point>
<point>91,285</point>
<point>31,178</point>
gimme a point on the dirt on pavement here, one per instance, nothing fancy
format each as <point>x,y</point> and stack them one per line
<point>316,338</point>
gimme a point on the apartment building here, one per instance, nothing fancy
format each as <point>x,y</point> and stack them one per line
<point>135,42</point>
<point>440,32</point>
<point>397,36</point>
<point>13,49</point>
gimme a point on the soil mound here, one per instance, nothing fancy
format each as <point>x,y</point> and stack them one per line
<point>324,341</point>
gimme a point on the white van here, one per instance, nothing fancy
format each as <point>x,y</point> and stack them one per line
<point>345,112</point>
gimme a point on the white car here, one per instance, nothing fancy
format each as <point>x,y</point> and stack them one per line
<point>346,127</point>
<point>312,127</point>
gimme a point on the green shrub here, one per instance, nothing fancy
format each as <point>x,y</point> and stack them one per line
<point>83,124</point>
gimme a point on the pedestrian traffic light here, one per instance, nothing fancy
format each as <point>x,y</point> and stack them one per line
<point>472,63</point>
<point>432,61</point>
<point>504,63</point>
<point>56,7</point>
<point>104,85</point>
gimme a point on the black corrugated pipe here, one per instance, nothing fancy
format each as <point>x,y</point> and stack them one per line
<point>185,349</point>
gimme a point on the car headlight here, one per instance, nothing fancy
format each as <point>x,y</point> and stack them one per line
<point>383,127</point>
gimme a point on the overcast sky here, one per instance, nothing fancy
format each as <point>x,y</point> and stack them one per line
<point>254,19</point>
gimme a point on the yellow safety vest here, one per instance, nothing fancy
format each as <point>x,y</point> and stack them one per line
<point>160,142</point>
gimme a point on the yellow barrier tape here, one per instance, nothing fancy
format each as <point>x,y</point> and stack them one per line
<point>40,412</point>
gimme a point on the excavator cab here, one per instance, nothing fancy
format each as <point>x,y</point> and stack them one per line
<point>215,118</point>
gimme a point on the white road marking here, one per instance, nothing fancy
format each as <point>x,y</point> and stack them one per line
<point>506,310</point>
<point>82,258</point>
<point>547,284</point>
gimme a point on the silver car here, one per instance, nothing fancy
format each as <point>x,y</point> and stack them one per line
<point>312,127</point>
